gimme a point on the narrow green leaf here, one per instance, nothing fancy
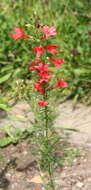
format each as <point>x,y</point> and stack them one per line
<point>66,128</point>
<point>5,141</point>
<point>13,118</point>
<point>9,131</point>
<point>4,107</point>
<point>5,78</point>
<point>16,72</point>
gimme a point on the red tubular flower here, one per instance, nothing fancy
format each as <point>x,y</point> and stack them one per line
<point>45,76</point>
<point>39,87</point>
<point>36,63</point>
<point>44,80</point>
<point>57,62</point>
<point>60,83</point>
<point>48,31</point>
<point>37,189</point>
<point>44,67</point>
<point>39,50</point>
<point>41,66</point>
<point>43,103</point>
<point>19,33</point>
<point>32,68</point>
<point>52,49</point>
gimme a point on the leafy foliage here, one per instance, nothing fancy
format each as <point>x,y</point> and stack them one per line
<point>3,105</point>
<point>72,19</point>
<point>14,136</point>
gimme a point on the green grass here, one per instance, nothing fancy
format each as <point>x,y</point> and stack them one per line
<point>73,22</point>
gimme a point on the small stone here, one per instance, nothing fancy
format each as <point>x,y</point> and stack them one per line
<point>14,185</point>
<point>8,175</point>
<point>79,184</point>
<point>25,152</point>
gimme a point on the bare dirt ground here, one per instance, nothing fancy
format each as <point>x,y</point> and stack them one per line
<point>18,170</point>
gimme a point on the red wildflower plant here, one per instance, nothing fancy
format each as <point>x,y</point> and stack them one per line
<point>58,62</point>
<point>43,103</point>
<point>39,50</point>
<point>19,33</point>
<point>48,31</point>
<point>42,73</point>
<point>60,84</point>
<point>52,49</point>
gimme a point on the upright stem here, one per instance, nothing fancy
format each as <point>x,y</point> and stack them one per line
<point>46,116</point>
<point>46,122</point>
<point>51,183</point>
<point>50,178</point>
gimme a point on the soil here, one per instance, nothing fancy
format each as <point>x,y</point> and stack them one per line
<point>18,168</point>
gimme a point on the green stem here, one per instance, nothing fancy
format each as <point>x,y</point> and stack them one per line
<point>51,183</point>
<point>46,116</point>
<point>50,178</point>
<point>46,123</point>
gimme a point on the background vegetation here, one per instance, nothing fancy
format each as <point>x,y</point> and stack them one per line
<point>73,21</point>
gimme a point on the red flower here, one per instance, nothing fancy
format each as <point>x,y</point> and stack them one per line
<point>43,103</point>
<point>60,83</point>
<point>19,33</point>
<point>45,80</point>
<point>36,62</point>
<point>41,66</point>
<point>39,87</point>
<point>48,31</point>
<point>57,62</point>
<point>52,49</point>
<point>37,189</point>
<point>39,50</point>
<point>32,68</point>
<point>45,76</point>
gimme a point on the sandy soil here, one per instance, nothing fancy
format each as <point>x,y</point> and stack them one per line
<point>76,176</point>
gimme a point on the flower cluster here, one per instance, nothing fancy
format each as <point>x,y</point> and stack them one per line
<point>40,66</point>
<point>19,33</point>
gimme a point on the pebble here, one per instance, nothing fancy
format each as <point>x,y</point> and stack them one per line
<point>25,152</point>
<point>14,185</point>
<point>8,175</point>
<point>79,184</point>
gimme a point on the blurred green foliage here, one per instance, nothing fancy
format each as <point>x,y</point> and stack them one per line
<point>73,22</point>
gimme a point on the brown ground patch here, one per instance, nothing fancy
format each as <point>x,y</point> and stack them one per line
<point>77,176</point>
